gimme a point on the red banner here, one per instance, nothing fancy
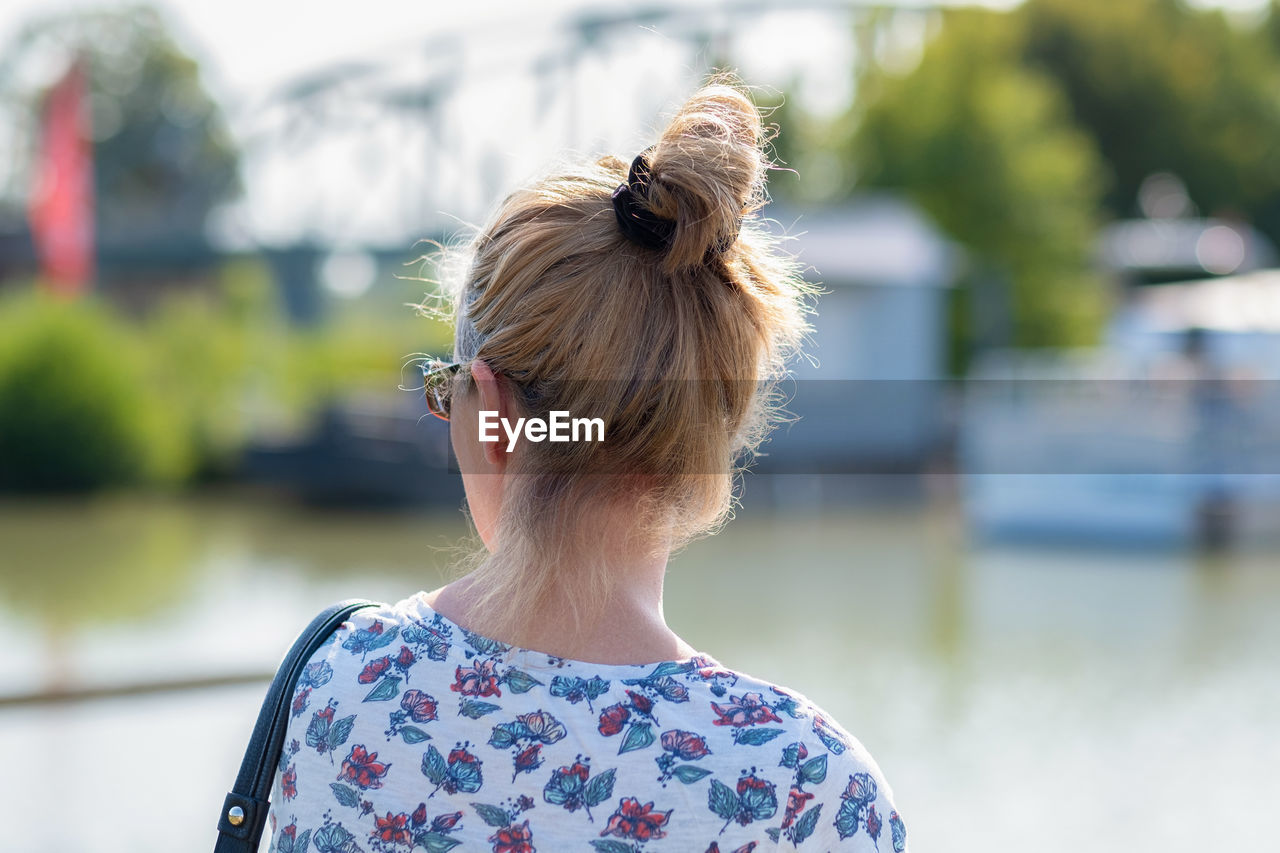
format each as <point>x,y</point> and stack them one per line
<point>61,204</point>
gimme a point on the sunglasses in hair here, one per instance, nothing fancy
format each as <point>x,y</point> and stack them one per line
<point>437,378</point>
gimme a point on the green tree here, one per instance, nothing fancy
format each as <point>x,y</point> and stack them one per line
<point>1163,87</point>
<point>988,149</point>
<point>163,156</point>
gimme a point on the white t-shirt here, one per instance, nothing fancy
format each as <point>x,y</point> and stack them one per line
<point>409,731</point>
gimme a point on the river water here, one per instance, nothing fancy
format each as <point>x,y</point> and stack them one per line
<point>1017,699</point>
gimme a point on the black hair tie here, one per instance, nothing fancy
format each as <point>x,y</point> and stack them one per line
<point>637,223</point>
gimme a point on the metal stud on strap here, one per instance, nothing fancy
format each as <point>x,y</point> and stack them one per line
<point>235,816</point>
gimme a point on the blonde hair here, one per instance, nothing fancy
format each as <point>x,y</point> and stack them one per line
<point>676,350</point>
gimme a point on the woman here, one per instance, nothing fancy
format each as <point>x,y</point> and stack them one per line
<point>540,702</point>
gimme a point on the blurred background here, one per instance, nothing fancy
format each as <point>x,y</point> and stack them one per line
<point>1035,465</point>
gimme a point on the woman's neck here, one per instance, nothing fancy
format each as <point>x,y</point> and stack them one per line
<point>627,627</point>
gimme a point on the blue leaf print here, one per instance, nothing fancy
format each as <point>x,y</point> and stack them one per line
<point>326,735</point>
<point>898,830</point>
<point>413,734</point>
<point>806,825</point>
<point>519,681</point>
<point>830,738</point>
<point>571,788</point>
<point>434,766</point>
<point>814,770</point>
<point>722,800</point>
<point>508,734</point>
<point>493,815</point>
<point>755,799</point>
<point>577,689</point>
<point>435,842</point>
<point>345,794</point>
<point>848,818</point>
<point>475,709</point>
<point>638,736</point>
<point>755,737</point>
<point>484,645</point>
<point>608,845</point>
<point>688,773</point>
<point>290,842</point>
<point>332,838</point>
<point>388,688</point>
<point>671,668</point>
<point>287,754</point>
<point>460,772</point>
<point>599,788</point>
<point>364,640</point>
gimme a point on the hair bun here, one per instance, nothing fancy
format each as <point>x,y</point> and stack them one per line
<point>706,172</point>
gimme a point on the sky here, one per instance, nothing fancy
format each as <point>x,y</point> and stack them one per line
<point>497,133</point>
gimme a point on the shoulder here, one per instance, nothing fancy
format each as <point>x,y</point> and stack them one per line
<point>383,627</point>
<point>837,797</point>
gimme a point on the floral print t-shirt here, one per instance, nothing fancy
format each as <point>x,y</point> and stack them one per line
<point>408,731</point>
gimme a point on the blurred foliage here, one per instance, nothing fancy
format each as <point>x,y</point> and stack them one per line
<point>76,410</point>
<point>163,154</point>
<point>1020,132</point>
<point>1163,87</point>
<point>90,398</point>
<point>987,148</point>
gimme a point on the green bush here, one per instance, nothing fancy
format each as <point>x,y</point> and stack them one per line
<point>75,412</point>
<point>89,398</point>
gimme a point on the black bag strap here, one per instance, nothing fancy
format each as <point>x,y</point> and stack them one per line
<point>244,812</point>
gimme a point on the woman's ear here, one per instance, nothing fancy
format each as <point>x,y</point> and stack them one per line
<point>493,396</point>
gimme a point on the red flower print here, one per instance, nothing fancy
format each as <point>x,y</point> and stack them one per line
<point>529,759</point>
<point>362,768</point>
<point>513,839</point>
<point>419,816</point>
<point>375,628</point>
<point>460,754</point>
<point>796,800</point>
<point>291,831</point>
<point>747,710</point>
<point>392,828</point>
<point>686,745</point>
<point>477,681</point>
<point>633,820</point>
<point>751,782</point>
<point>421,707</point>
<point>446,822</point>
<point>289,783</point>
<point>300,701</point>
<point>640,702</point>
<point>375,670</point>
<point>873,823</point>
<point>405,659</point>
<point>327,713</point>
<point>613,718</point>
